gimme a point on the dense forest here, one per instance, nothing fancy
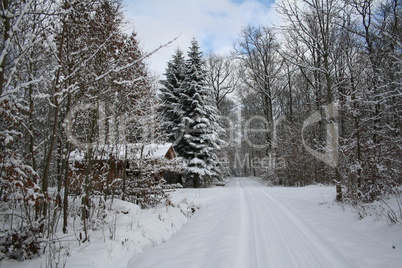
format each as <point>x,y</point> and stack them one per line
<point>315,100</point>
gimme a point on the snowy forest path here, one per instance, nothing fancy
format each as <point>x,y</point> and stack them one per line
<point>246,228</point>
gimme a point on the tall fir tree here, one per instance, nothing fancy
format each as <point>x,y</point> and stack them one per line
<point>200,131</point>
<point>170,96</point>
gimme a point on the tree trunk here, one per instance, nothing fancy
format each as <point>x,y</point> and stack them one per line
<point>45,179</point>
<point>6,31</point>
<point>196,181</point>
<point>65,197</point>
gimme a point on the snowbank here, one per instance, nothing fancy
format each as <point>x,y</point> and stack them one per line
<point>127,231</point>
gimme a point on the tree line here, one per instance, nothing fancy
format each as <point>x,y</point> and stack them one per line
<point>319,97</point>
<point>60,58</point>
<point>315,100</point>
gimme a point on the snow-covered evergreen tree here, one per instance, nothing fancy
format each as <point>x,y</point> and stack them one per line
<point>170,96</point>
<point>200,140</point>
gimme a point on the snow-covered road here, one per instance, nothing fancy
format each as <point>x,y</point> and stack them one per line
<point>246,228</point>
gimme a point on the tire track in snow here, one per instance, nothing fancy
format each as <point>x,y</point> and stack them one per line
<point>283,239</point>
<point>245,255</point>
<point>246,229</point>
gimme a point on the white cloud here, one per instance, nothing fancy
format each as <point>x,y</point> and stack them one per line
<point>216,24</point>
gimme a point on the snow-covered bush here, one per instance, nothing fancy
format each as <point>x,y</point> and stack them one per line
<point>20,244</point>
<point>146,192</point>
<point>394,211</point>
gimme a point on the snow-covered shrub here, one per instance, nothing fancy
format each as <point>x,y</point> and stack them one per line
<point>187,208</point>
<point>20,244</point>
<point>56,254</point>
<point>394,211</point>
<point>146,192</point>
<point>21,204</point>
<point>387,204</point>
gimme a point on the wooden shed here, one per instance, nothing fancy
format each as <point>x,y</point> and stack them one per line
<point>109,167</point>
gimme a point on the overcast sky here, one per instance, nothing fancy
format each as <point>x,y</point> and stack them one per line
<point>216,24</point>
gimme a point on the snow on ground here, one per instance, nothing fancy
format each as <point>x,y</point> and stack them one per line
<point>243,224</point>
<point>126,231</point>
<point>258,226</point>
<point>368,242</point>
